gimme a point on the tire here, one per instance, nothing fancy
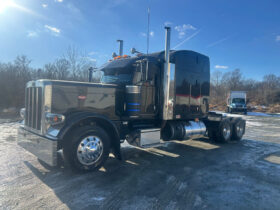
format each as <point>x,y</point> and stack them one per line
<point>238,129</point>
<point>88,148</point>
<point>223,131</point>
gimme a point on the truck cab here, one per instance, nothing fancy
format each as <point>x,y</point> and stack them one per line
<point>236,102</point>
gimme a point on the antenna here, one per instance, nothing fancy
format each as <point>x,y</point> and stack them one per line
<point>148,32</point>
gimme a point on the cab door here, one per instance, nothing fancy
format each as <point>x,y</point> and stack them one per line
<point>148,82</point>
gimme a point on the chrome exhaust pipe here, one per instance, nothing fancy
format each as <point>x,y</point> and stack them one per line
<point>167,104</point>
<point>167,43</point>
<point>120,47</point>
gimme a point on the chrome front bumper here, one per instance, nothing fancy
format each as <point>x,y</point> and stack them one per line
<point>43,148</point>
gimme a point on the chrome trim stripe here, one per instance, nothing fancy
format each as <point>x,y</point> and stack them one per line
<point>133,89</point>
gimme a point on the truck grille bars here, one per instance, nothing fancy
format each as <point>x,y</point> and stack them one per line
<point>33,105</point>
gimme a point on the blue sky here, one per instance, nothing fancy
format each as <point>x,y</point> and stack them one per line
<point>234,34</point>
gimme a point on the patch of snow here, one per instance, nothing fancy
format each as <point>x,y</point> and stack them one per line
<point>198,201</point>
<point>262,114</point>
<point>98,198</point>
<point>251,123</point>
<point>170,179</point>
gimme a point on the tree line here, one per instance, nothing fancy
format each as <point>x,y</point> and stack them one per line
<point>74,66</point>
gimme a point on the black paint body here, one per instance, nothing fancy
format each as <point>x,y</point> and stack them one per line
<point>191,90</point>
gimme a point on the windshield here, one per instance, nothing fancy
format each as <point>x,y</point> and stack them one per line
<point>117,72</point>
<point>116,79</point>
<point>238,101</point>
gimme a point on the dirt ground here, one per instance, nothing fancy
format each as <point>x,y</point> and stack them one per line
<point>195,174</point>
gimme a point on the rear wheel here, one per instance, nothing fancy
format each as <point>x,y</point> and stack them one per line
<point>88,148</point>
<point>238,129</point>
<point>222,132</point>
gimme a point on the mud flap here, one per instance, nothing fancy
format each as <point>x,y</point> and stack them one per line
<point>116,149</point>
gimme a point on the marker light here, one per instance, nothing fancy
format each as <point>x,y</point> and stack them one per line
<point>22,113</point>
<point>54,119</point>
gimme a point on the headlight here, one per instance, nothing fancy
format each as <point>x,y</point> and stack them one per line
<point>54,119</point>
<point>22,113</point>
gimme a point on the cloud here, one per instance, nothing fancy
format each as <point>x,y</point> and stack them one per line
<point>32,34</point>
<point>44,5</point>
<point>143,34</point>
<point>53,30</point>
<point>93,53</point>
<point>87,58</point>
<point>168,23</point>
<point>60,1</point>
<point>152,34</point>
<point>187,39</point>
<point>221,67</point>
<point>183,29</point>
<point>75,11</point>
<point>277,39</point>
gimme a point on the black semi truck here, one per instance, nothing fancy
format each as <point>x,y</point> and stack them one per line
<point>144,99</point>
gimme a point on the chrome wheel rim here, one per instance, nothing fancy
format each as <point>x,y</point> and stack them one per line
<point>239,129</point>
<point>226,132</point>
<point>89,150</point>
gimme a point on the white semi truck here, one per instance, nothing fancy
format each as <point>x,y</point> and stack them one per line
<point>236,102</point>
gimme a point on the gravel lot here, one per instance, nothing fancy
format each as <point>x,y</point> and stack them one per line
<point>195,174</point>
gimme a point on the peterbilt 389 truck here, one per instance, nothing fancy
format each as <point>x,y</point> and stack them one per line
<point>144,100</point>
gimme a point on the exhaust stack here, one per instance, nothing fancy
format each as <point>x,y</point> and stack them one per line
<point>90,71</point>
<point>120,47</point>
<point>167,43</point>
<point>168,97</point>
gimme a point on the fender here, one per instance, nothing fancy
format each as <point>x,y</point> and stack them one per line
<point>74,118</point>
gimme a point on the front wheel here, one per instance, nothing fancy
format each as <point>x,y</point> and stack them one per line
<point>88,148</point>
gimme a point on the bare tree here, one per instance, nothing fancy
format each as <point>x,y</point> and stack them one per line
<point>79,63</point>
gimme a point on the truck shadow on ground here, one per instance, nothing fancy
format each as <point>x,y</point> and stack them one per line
<point>146,178</point>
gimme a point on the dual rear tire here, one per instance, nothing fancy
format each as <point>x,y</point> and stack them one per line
<point>227,130</point>
<point>238,128</point>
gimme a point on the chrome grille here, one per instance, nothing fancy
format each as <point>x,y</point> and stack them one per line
<point>33,106</point>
